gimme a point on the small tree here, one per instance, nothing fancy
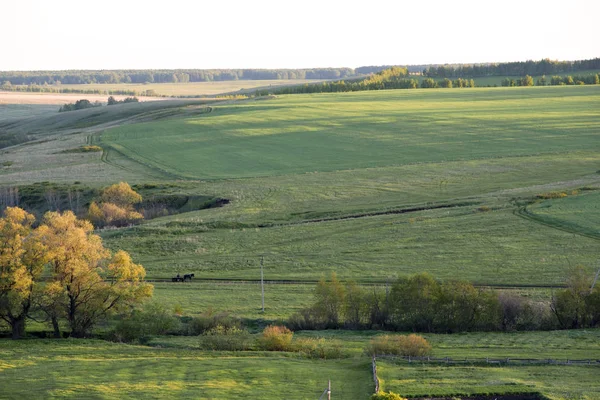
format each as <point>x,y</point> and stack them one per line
<point>330,298</point>
<point>354,304</point>
<point>526,81</point>
<point>577,306</point>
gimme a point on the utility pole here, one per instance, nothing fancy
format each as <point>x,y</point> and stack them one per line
<point>329,390</point>
<point>262,283</point>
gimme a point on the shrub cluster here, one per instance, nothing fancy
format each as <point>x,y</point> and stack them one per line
<point>399,345</point>
<point>420,303</point>
<point>79,105</point>
<point>387,396</point>
<point>226,339</point>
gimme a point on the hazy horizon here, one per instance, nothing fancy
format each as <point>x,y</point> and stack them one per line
<point>70,35</point>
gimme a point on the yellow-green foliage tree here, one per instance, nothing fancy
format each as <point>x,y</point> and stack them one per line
<point>22,258</point>
<point>87,284</point>
<point>116,207</point>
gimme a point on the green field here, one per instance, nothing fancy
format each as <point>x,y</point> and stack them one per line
<point>579,213</point>
<point>102,370</point>
<point>300,134</point>
<point>97,369</point>
<point>348,163</point>
<point>371,185</point>
<point>555,382</point>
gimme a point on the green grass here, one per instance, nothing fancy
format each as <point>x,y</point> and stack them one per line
<point>12,111</point>
<point>556,382</point>
<point>496,148</point>
<point>89,368</point>
<point>496,247</point>
<point>101,370</point>
<point>241,299</point>
<point>579,213</point>
<point>556,345</point>
<point>299,134</point>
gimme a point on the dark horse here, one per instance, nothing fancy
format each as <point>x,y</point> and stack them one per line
<point>188,277</point>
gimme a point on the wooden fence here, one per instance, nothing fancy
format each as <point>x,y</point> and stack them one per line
<point>490,360</point>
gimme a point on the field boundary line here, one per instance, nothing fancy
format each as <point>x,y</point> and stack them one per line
<point>492,360</point>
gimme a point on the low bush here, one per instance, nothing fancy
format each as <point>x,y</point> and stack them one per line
<point>304,319</point>
<point>411,345</point>
<point>208,321</point>
<point>226,339</point>
<point>551,195</point>
<point>153,319</point>
<point>319,348</point>
<point>276,338</point>
<point>84,149</point>
<point>386,396</point>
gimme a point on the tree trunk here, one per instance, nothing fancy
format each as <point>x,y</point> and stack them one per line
<point>56,327</point>
<point>18,327</point>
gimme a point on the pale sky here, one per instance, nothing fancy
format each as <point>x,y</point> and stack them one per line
<point>122,34</point>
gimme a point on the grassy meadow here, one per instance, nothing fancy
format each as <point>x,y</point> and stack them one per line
<point>579,213</point>
<point>300,134</point>
<point>555,382</point>
<point>102,370</point>
<point>375,185</point>
<point>320,183</point>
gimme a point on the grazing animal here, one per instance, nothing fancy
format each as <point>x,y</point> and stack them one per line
<point>187,277</point>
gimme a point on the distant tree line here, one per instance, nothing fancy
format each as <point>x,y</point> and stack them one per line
<point>112,101</point>
<point>391,78</point>
<point>556,80</point>
<point>420,303</point>
<point>168,76</point>
<point>520,68</point>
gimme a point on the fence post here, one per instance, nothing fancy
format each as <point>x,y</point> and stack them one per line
<point>375,376</point>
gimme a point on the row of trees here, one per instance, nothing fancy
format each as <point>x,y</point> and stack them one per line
<point>391,78</point>
<point>527,80</point>
<point>60,271</point>
<point>168,76</point>
<point>422,304</point>
<point>85,103</point>
<point>542,67</point>
<point>35,88</point>
<point>79,105</point>
<point>112,101</point>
